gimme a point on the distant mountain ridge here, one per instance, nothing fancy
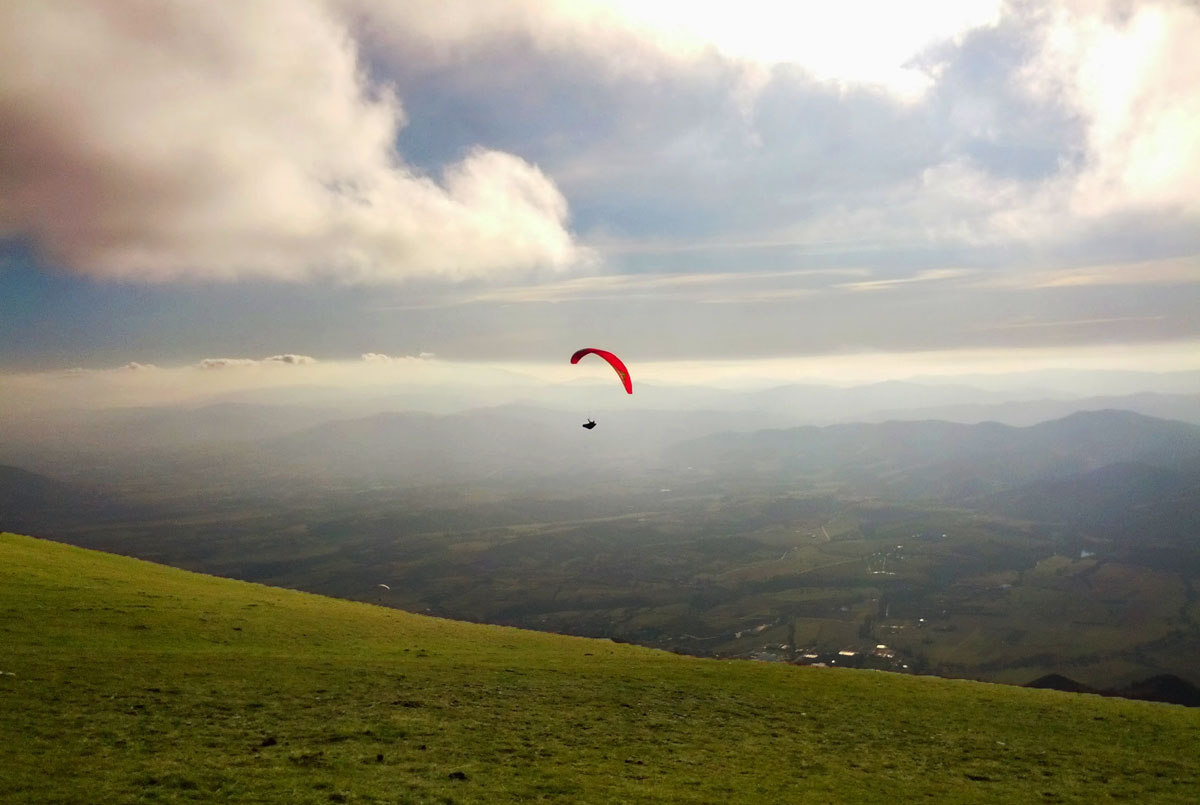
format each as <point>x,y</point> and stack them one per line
<point>1166,688</point>
<point>140,428</point>
<point>1022,413</point>
<point>929,459</point>
<point>948,460</point>
<point>20,487</point>
<point>1118,497</point>
<point>25,496</point>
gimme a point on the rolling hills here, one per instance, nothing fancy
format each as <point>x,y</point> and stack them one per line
<point>125,681</point>
<point>978,551</point>
<point>946,460</point>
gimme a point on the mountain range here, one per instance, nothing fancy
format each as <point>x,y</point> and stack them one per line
<point>945,460</point>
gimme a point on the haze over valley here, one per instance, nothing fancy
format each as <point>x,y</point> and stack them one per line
<point>735,523</point>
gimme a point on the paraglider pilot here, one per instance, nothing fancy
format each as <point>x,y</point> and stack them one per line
<point>617,366</point>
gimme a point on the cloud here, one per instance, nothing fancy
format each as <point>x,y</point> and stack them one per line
<point>932,275</point>
<point>868,366</point>
<point>1144,273</point>
<point>712,150</point>
<point>274,360</point>
<point>380,358</point>
<point>685,286</point>
<point>829,41</point>
<point>490,383</point>
<point>1132,76</point>
<point>1064,128</point>
<point>213,141</point>
<point>290,360</point>
<point>1121,84</point>
<point>290,381</point>
<point>643,37</point>
<point>225,363</point>
<point>1022,325</point>
<point>761,122</point>
<point>1050,150</point>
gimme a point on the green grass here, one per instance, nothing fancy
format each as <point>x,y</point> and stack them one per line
<point>124,681</point>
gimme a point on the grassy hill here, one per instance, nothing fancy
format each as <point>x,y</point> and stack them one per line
<point>124,681</point>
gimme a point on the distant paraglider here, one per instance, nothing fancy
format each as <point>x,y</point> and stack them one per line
<point>384,586</point>
<point>616,363</point>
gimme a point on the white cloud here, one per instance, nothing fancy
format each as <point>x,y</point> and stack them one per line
<point>380,358</point>
<point>274,360</point>
<point>1132,77</point>
<point>213,379</point>
<point>1174,271</point>
<point>931,275</point>
<point>1125,82</point>
<point>225,363</point>
<point>953,202</point>
<point>180,140</point>
<point>1027,324</point>
<point>33,394</point>
<point>740,286</point>
<point>853,42</point>
<point>291,360</point>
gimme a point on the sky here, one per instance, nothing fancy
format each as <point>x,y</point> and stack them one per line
<point>853,190</point>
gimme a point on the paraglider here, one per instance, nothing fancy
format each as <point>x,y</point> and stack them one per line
<point>384,586</point>
<point>613,361</point>
<point>616,363</point>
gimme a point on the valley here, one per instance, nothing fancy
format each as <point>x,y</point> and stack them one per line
<point>983,552</point>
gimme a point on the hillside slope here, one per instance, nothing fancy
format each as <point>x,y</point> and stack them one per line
<point>122,680</point>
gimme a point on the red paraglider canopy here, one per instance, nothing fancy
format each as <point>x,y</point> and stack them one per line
<point>616,363</point>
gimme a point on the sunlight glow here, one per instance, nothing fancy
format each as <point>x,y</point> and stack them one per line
<point>873,367</point>
<point>492,383</point>
<point>856,41</point>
